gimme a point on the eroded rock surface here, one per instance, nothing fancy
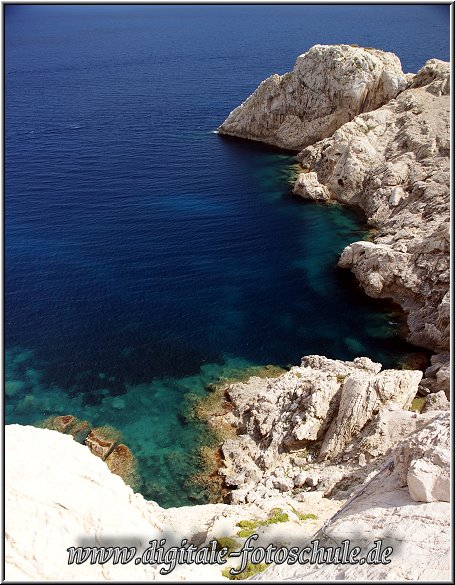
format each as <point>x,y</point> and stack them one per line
<point>385,508</point>
<point>329,86</point>
<point>295,430</point>
<point>394,163</point>
<point>423,462</point>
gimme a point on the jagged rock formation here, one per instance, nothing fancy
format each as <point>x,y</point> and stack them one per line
<point>321,425</point>
<point>329,86</point>
<point>388,156</point>
<point>394,163</point>
<point>385,508</point>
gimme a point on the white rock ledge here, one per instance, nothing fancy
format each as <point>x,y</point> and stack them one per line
<point>58,495</point>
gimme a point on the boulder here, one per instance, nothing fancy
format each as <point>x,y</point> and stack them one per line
<point>422,461</point>
<point>68,424</point>
<point>102,440</point>
<point>121,461</point>
<point>308,186</point>
<point>436,401</point>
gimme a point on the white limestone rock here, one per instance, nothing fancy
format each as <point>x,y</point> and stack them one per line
<point>329,86</point>
<point>59,495</point>
<point>423,461</point>
<point>321,407</point>
<point>429,481</point>
<point>385,430</point>
<point>360,397</point>
<point>419,533</point>
<point>437,401</point>
<point>437,376</point>
<point>394,163</point>
<point>308,186</point>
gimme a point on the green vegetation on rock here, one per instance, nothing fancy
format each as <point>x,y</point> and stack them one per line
<point>227,542</point>
<point>249,526</point>
<point>302,516</point>
<point>417,404</point>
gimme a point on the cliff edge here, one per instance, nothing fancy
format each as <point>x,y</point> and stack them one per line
<point>329,86</point>
<point>59,495</point>
<point>378,139</point>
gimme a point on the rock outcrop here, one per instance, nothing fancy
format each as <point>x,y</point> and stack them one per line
<point>329,86</point>
<point>59,495</point>
<point>392,160</point>
<point>394,163</point>
<point>321,425</point>
<point>385,508</point>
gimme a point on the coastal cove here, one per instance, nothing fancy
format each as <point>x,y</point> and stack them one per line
<point>148,257</point>
<point>301,289</point>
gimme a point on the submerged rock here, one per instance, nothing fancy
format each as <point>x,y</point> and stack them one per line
<point>102,440</point>
<point>68,424</point>
<point>121,461</point>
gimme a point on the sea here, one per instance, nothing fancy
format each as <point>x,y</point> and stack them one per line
<point>147,257</point>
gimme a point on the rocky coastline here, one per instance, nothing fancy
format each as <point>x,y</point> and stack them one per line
<point>384,147</point>
<point>330,449</point>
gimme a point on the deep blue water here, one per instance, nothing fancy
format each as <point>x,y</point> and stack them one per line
<point>145,255</point>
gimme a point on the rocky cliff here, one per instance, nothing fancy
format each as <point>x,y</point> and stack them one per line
<point>394,163</point>
<point>378,139</point>
<point>323,426</point>
<point>329,86</point>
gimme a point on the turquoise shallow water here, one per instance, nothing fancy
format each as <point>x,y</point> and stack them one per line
<point>147,256</point>
<point>287,300</point>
